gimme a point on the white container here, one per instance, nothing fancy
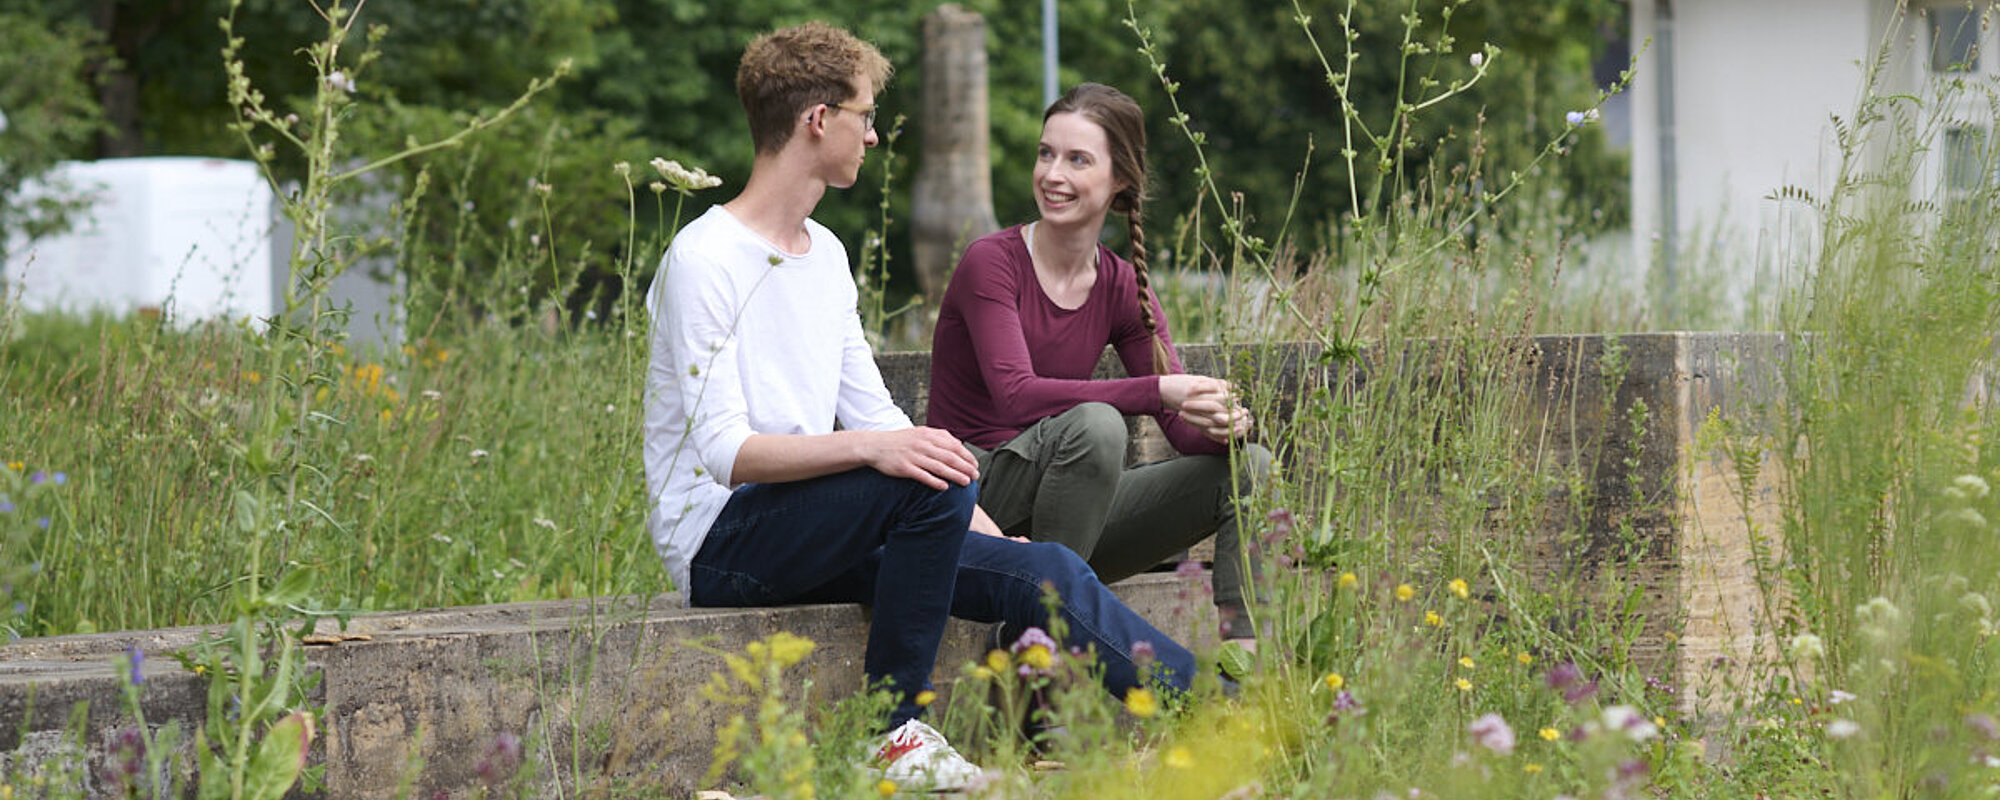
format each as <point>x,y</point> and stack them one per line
<point>188,237</point>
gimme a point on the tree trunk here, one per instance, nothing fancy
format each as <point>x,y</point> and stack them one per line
<point>953,194</point>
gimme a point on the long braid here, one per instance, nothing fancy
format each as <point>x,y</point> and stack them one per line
<point>1135,233</point>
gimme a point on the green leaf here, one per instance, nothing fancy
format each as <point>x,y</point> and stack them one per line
<point>214,779</point>
<point>281,756</point>
<point>1234,659</point>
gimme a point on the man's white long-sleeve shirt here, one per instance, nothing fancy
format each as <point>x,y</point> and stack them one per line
<point>747,339</point>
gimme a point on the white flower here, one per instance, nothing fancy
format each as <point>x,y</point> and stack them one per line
<point>1972,485</point>
<point>622,168</point>
<point>1807,647</point>
<point>363,457</point>
<point>338,81</point>
<point>1629,720</point>
<point>478,454</point>
<point>1837,697</point>
<point>684,179</point>
<point>498,575</point>
<point>610,409</point>
<point>440,538</point>
<point>1478,60</point>
<point>432,395</point>
<point>1842,729</point>
<point>1969,517</point>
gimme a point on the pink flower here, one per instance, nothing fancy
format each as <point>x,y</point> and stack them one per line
<point>1492,732</point>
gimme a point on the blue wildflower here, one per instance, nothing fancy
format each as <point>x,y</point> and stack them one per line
<point>42,522</point>
<point>138,660</point>
<point>38,476</point>
<point>6,506</point>
<point>61,478</point>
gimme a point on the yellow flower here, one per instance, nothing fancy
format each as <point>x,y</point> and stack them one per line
<point>16,466</point>
<point>1405,592</point>
<point>1551,734</point>
<point>1466,662</point>
<point>1531,769</point>
<point>1524,658</point>
<point>201,669</point>
<point>1180,758</point>
<point>388,414</point>
<point>1462,684</point>
<point>998,661</point>
<point>788,649</point>
<point>253,377</point>
<point>926,697</point>
<point>885,787</point>
<point>1432,619</point>
<point>1140,702</point>
<point>1038,657</point>
<point>1348,581</point>
<point>982,672</point>
<point>6,791</point>
<point>1333,681</point>
<point>1659,721</point>
<point>1459,587</point>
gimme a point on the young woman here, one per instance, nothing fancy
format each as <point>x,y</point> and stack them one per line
<point>1028,313</point>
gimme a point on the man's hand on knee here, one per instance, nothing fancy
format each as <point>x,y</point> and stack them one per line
<point>928,456</point>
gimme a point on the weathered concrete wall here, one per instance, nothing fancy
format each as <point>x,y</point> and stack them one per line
<point>434,688</point>
<point>624,674</point>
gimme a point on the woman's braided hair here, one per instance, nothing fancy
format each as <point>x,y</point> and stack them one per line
<point>1124,127</point>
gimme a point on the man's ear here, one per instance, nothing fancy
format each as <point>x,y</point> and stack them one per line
<point>816,120</point>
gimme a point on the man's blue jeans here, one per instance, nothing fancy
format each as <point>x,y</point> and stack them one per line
<point>864,537</point>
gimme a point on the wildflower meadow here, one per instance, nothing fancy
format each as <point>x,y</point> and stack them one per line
<point>1430,623</point>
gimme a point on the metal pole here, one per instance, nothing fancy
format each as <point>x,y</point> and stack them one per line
<point>1048,53</point>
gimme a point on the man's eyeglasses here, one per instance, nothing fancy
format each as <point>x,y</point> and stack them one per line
<point>867,112</point>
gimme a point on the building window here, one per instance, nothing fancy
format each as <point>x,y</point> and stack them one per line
<point>1965,160</point>
<point>1955,32</point>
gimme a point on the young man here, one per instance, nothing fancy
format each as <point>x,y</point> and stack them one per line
<point>757,351</point>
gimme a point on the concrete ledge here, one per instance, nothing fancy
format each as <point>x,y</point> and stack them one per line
<point>616,678</point>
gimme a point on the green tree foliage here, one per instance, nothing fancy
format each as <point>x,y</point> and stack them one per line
<point>50,111</point>
<point>656,78</point>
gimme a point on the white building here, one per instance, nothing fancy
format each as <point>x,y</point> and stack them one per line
<point>1734,99</point>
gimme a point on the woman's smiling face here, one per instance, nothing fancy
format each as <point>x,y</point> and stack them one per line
<point>1073,176</point>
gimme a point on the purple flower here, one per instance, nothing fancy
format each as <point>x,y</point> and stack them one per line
<point>501,759</point>
<point>1031,637</point>
<point>1189,569</point>
<point>42,522</point>
<point>1984,725</point>
<point>6,506</point>
<point>38,476</point>
<point>1345,701</point>
<point>125,762</point>
<point>1142,653</point>
<point>1564,675</point>
<point>1492,732</point>
<point>61,479</point>
<point>137,659</point>
<point>1580,693</point>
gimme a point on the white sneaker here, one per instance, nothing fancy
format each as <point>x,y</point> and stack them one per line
<point>916,756</point>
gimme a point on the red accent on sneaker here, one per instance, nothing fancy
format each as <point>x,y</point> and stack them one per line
<point>897,748</point>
